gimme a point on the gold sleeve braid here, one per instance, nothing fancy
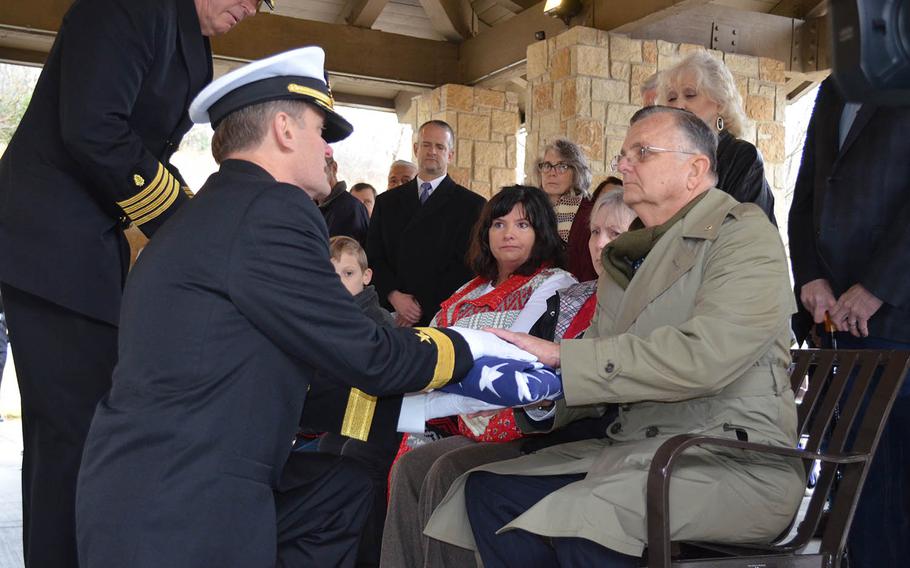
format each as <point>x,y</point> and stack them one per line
<point>361,407</point>
<point>153,199</point>
<point>445,356</point>
<point>358,415</point>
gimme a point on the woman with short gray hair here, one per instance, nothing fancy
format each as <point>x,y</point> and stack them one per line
<point>564,175</point>
<point>703,85</point>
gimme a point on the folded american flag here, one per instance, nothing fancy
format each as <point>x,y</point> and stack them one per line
<point>506,382</point>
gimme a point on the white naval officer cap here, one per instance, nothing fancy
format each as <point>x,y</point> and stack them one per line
<point>297,74</point>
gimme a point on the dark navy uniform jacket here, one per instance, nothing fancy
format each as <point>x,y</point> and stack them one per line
<point>420,249</point>
<point>226,316</point>
<point>92,151</point>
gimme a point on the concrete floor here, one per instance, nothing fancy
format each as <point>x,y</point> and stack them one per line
<point>10,494</point>
<point>10,470</point>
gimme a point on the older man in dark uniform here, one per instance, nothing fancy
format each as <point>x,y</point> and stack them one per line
<point>90,156</point>
<point>227,315</point>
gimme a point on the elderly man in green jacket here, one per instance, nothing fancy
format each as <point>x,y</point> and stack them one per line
<point>691,335</point>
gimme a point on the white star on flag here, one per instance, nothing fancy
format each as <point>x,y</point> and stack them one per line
<point>488,375</point>
<point>521,382</point>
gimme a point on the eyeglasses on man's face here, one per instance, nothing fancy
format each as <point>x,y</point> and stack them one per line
<point>640,154</point>
<point>546,167</point>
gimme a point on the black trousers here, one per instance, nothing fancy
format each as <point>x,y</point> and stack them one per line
<point>321,505</point>
<point>494,500</point>
<point>375,460</point>
<point>64,363</point>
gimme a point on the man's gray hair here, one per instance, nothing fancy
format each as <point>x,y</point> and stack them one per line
<point>403,163</point>
<point>701,137</point>
<point>572,154</point>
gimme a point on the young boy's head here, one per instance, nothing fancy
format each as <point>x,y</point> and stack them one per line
<point>350,262</point>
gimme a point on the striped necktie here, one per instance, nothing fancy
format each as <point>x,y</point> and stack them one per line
<point>425,189</point>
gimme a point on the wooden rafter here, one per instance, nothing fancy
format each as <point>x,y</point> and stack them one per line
<point>362,13</point>
<point>450,18</point>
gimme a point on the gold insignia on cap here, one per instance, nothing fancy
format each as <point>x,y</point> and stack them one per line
<point>138,180</point>
<point>318,96</point>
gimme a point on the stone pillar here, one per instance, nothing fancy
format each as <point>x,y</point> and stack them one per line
<point>485,122</point>
<point>584,85</point>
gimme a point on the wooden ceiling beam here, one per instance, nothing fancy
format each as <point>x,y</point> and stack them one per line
<point>22,56</point>
<point>362,13</point>
<point>753,33</point>
<point>625,16</point>
<point>450,18</point>
<point>350,50</point>
<point>504,45</point>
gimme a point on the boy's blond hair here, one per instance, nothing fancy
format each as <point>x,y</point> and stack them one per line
<point>339,245</point>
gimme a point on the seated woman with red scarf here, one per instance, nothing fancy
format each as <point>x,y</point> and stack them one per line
<point>417,487</point>
<point>517,254</point>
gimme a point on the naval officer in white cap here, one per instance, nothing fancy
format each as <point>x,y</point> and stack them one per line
<point>226,316</point>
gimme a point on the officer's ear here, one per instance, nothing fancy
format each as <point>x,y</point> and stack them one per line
<point>283,129</point>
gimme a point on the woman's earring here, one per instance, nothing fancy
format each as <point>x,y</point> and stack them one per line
<point>719,122</point>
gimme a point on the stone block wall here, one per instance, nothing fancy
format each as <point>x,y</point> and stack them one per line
<point>584,85</point>
<point>485,122</point>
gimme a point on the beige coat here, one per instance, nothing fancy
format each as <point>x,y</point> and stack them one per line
<point>698,343</point>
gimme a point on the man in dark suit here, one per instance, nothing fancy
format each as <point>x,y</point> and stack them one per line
<point>850,248</point>
<point>344,214</point>
<point>419,233</point>
<point>90,157</point>
<point>227,315</point>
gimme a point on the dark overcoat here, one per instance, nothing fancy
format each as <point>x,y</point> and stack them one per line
<point>91,152</point>
<point>226,316</point>
<point>345,215</point>
<point>420,249</point>
<point>850,218</point>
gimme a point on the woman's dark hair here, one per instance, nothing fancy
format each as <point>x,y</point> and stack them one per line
<point>548,247</point>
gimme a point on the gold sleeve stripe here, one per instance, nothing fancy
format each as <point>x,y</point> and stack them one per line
<point>189,192</point>
<point>150,188</point>
<point>172,195</point>
<point>142,209</point>
<point>146,204</point>
<point>358,416</point>
<point>142,194</point>
<point>151,196</point>
<point>445,357</point>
